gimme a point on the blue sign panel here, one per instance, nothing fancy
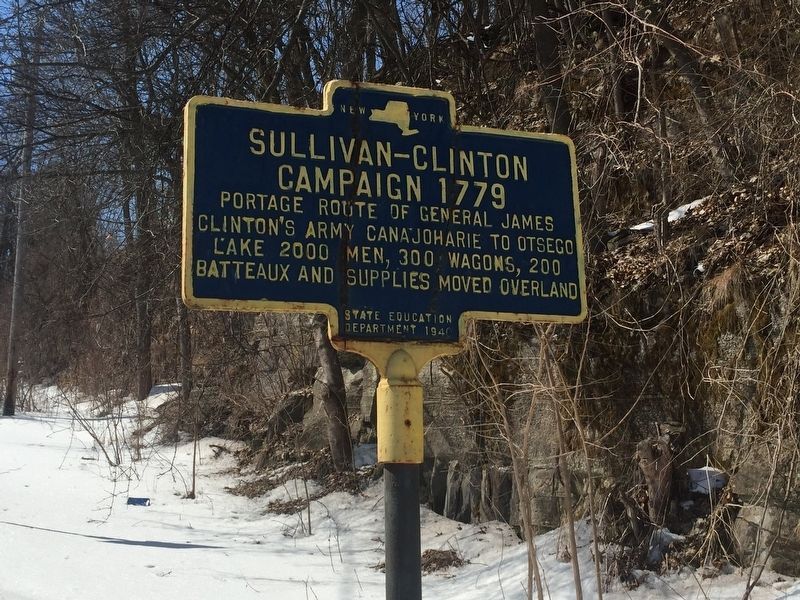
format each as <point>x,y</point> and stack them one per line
<point>381,212</point>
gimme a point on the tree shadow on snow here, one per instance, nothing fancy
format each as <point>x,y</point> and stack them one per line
<point>122,541</point>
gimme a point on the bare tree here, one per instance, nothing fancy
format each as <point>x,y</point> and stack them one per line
<point>549,64</point>
<point>29,58</point>
<point>334,399</point>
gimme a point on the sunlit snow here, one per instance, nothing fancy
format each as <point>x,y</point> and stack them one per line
<point>67,532</point>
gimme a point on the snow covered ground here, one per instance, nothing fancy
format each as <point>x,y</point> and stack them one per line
<point>67,533</point>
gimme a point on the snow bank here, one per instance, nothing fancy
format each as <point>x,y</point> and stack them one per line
<point>68,533</point>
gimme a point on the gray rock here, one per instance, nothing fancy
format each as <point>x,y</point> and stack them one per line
<point>445,415</point>
<point>438,484</point>
<point>368,390</point>
<point>782,529</point>
<point>471,495</point>
<point>545,507</point>
<point>545,500</point>
<point>360,387</point>
<point>289,411</point>
<point>496,493</point>
<point>454,507</point>
<point>315,433</point>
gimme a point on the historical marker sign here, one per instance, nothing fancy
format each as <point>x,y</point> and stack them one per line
<point>381,212</point>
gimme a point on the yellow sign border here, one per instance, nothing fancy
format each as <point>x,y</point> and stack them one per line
<point>376,351</point>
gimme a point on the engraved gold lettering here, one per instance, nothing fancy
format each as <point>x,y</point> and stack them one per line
<point>528,222</point>
<point>239,269</point>
<point>417,152</point>
<point>539,288</point>
<point>323,180</point>
<point>378,278</point>
<point>370,255</point>
<point>315,274</point>
<point>294,152</point>
<point>277,144</point>
<point>285,182</point>
<point>332,207</point>
<point>354,152</point>
<point>312,148</point>
<point>469,284</point>
<point>238,247</point>
<point>257,146</point>
<point>481,262</point>
<point>427,237</point>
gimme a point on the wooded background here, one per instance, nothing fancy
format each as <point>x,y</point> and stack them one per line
<point>693,326</point>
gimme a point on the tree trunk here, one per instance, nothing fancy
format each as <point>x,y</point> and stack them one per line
<point>144,241</point>
<point>136,162</point>
<point>689,69</point>
<point>6,214</point>
<point>333,397</point>
<point>655,460</point>
<point>566,481</point>
<point>288,50</point>
<point>10,396</point>
<point>568,508</point>
<point>144,370</point>
<point>549,65</point>
<point>371,52</point>
<point>299,77</point>
<point>661,206</point>
<point>728,35</point>
<point>616,64</point>
<point>388,28</point>
<point>357,32</point>
<point>185,346</point>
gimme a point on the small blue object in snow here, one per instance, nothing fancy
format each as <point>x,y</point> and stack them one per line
<point>138,501</point>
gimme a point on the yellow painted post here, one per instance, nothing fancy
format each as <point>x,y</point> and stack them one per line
<point>400,450</point>
<point>400,425</point>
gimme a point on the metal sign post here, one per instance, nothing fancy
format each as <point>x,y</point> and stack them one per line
<point>398,224</point>
<point>400,449</point>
